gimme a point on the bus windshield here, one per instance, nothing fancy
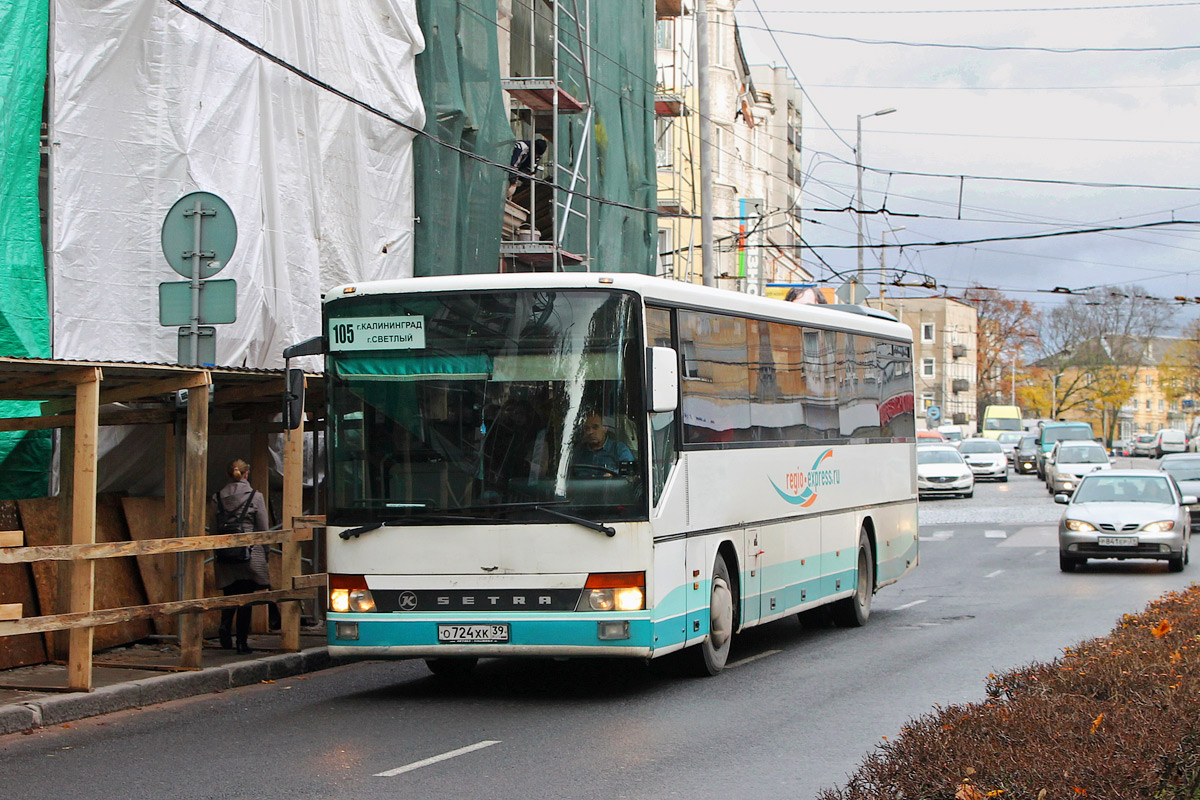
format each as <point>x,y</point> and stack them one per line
<point>499,406</point>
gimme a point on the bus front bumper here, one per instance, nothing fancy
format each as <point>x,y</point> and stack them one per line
<point>416,635</point>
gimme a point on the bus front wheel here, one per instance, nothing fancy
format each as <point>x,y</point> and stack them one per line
<point>854,611</point>
<point>713,652</point>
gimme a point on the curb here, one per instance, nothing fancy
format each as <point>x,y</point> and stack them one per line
<point>57,709</point>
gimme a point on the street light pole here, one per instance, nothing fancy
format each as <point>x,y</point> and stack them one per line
<point>859,194</point>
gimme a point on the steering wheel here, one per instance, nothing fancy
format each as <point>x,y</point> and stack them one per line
<point>612,473</point>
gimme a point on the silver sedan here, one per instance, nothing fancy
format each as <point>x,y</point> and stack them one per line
<point>1125,514</point>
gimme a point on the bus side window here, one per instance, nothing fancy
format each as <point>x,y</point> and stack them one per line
<point>664,426</point>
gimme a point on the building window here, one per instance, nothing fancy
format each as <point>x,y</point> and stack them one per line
<point>666,254</point>
<point>1147,401</point>
<point>926,331</point>
<point>926,399</point>
<point>927,368</point>
<point>1160,406</point>
<point>664,152</point>
<point>1148,381</point>
<point>664,34</point>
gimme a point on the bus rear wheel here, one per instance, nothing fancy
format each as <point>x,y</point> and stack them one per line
<point>713,652</point>
<point>854,611</point>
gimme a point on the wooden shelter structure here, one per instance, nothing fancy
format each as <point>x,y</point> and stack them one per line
<point>193,402</point>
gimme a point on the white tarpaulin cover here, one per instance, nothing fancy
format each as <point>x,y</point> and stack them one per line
<point>150,103</point>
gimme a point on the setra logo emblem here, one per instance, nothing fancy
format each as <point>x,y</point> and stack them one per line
<point>801,485</point>
<point>408,601</point>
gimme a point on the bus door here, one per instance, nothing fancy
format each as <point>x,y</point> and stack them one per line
<point>752,576</point>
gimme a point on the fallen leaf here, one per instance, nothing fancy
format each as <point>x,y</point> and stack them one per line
<point>1078,791</point>
<point>1161,629</point>
<point>968,792</point>
<point>1096,722</point>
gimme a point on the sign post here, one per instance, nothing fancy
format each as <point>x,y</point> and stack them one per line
<point>199,235</point>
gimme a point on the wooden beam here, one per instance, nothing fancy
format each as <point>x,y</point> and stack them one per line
<point>112,416</point>
<point>293,506</point>
<point>58,644</point>
<point>139,391</point>
<point>83,527</point>
<point>12,538</point>
<point>267,391</point>
<point>40,383</point>
<point>195,510</point>
<point>10,610</point>
<point>318,581</point>
<point>147,547</point>
<point>112,616</point>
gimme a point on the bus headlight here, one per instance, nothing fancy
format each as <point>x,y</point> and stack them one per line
<point>613,591</point>
<point>349,594</point>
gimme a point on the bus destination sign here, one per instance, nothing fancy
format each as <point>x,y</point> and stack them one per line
<point>377,333</point>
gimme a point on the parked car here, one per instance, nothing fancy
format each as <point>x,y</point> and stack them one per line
<point>953,433</point>
<point>1119,447</point>
<point>1142,445</point>
<point>1052,432</point>
<point>1169,440</point>
<point>985,457</point>
<point>1122,514</point>
<point>1185,469</point>
<point>930,436</point>
<point>1070,460</point>
<point>941,470</point>
<point>1025,460</point>
<point>1009,441</point>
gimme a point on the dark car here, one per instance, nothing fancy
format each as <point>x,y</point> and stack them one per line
<point>1025,461</point>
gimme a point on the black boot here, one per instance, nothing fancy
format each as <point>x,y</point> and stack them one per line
<point>243,648</point>
<point>226,639</point>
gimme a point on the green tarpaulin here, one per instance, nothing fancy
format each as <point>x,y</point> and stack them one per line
<point>24,324</point>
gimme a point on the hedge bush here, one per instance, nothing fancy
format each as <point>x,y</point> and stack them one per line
<point>1116,718</point>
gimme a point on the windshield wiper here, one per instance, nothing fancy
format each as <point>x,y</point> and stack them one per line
<point>351,533</point>
<point>599,527</point>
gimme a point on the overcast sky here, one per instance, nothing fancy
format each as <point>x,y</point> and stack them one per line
<point>1101,117</point>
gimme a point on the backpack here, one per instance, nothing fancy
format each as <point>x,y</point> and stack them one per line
<point>231,522</point>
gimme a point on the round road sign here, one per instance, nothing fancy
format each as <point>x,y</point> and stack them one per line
<point>218,234</point>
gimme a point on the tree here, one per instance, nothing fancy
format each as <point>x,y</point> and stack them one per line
<point>1004,328</point>
<point>1093,345</point>
<point>1179,370</point>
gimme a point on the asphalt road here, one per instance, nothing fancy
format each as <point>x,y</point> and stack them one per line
<point>795,711</point>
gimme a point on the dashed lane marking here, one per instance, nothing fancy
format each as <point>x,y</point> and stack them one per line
<point>993,574</point>
<point>425,762</point>
<point>910,605</point>
<point>940,536</point>
<point>995,535</point>
<point>748,659</point>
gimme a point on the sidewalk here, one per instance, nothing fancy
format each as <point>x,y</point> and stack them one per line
<point>145,674</point>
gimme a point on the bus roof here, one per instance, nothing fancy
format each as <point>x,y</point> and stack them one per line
<point>669,292</point>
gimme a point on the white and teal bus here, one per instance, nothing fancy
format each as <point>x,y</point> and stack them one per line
<point>584,464</point>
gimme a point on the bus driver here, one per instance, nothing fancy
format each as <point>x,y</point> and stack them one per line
<point>598,455</point>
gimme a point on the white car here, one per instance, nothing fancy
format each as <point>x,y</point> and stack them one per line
<point>942,471</point>
<point>986,458</point>
<point>1169,440</point>
<point>1070,461</point>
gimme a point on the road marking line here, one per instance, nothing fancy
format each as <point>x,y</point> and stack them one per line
<point>1039,553</point>
<point>435,759</point>
<point>748,659</point>
<point>995,535</point>
<point>993,574</point>
<point>910,605</point>
<point>941,536</point>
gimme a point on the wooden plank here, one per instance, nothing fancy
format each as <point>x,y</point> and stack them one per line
<point>138,391</point>
<point>12,538</point>
<point>113,616</point>
<point>147,519</point>
<point>118,549</point>
<point>264,391</point>
<point>113,416</point>
<point>317,581</point>
<point>292,506</point>
<point>195,509</point>
<point>83,528</point>
<point>10,611</point>
<point>16,586</point>
<point>58,643</point>
<point>42,383</point>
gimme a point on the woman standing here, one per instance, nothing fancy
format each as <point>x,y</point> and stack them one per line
<point>238,508</point>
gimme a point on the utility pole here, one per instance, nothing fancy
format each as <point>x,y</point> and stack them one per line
<point>707,267</point>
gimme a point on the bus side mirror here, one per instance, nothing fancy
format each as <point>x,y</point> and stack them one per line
<point>293,400</point>
<point>662,379</point>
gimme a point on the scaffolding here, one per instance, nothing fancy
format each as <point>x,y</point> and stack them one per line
<point>675,139</point>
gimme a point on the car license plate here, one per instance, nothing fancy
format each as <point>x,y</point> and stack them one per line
<point>1118,541</point>
<point>473,634</point>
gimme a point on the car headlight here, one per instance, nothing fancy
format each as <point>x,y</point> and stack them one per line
<point>1159,527</point>
<point>1079,525</point>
